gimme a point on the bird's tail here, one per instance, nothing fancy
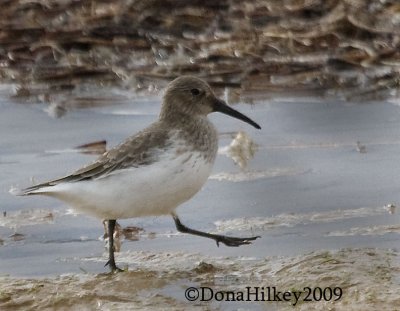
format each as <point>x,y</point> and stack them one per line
<point>37,189</point>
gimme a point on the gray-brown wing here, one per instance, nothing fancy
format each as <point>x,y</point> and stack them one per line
<point>138,150</point>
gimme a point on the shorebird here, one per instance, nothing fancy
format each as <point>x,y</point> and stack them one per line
<point>154,171</point>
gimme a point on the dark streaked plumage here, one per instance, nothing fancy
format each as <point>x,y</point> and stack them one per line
<point>137,150</point>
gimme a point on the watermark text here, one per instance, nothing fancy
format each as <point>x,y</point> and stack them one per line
<point>267,293</point>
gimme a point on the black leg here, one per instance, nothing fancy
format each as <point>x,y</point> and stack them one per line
<point>227,240</point>
<point>111,258</point>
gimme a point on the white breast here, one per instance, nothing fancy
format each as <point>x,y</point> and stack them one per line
<point>155,189</point>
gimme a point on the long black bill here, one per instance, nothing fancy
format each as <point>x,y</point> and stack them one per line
<point>221,106</point>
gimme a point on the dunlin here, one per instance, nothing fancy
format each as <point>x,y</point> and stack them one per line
<point>154,171</point>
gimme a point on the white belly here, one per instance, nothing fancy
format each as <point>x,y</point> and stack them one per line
<point>155,189</point>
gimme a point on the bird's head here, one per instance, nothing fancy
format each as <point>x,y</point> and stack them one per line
<point>192,96</point>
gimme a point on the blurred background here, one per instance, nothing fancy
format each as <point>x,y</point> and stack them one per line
<point>319,183</point>
<point>338,48</point>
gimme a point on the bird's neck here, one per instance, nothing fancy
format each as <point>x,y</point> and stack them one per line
<point>182,120</point>
<point>197,131</point>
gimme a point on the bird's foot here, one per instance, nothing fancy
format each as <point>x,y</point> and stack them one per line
<point>113,267</point>
<point>234,241</point>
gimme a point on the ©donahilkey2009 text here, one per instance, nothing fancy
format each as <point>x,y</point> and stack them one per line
<point>268,293</point>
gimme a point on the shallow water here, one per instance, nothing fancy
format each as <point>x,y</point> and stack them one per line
<point>322,191</point>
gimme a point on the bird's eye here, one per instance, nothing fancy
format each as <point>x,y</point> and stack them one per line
<point>195,92</point>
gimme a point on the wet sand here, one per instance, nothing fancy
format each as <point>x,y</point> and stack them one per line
<point>364,277</point>
<point>321,191</point>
